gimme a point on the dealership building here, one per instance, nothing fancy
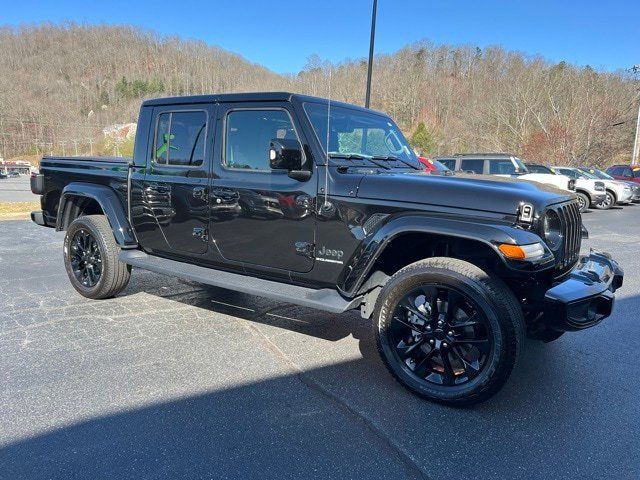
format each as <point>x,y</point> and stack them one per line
<point>17,166</point>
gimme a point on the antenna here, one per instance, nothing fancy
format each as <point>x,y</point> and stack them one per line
<point>326,165</point>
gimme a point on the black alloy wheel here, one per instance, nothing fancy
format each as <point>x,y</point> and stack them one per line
<point>440,335</point>
<point>91,258</point>
<point>448,331</point>
<point>86,260</point>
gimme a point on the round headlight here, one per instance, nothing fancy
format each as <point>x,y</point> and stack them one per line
<point>552,230</point>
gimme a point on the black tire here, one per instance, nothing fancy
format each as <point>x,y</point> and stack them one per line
<point>583,201</point>
<point>504,328</point>
<point>108,275</point>
<point>608,202</point>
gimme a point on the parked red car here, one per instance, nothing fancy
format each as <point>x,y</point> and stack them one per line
<point>630,173</point>
<point>434,167</point>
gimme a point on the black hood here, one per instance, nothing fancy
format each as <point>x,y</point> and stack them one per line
<point>486,193</point>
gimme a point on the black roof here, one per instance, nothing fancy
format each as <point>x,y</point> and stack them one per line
<point>250,97</point>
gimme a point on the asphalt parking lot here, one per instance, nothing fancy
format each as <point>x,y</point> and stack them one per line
<point>174,379</point>
<point>16,189</point>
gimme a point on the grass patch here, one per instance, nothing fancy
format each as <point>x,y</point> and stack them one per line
<point>12,209</point>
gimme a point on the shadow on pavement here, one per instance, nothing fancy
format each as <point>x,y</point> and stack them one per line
<point>346,419</point>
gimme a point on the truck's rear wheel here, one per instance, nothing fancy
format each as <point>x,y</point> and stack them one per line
<point>91,258</point>
<point>448,331</point>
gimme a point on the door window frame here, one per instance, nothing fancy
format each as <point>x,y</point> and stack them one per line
<point>223,153</point>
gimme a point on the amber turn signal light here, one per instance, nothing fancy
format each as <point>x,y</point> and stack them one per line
<point>522,252</point>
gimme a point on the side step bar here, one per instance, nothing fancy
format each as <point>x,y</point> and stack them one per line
<point>323,299</point>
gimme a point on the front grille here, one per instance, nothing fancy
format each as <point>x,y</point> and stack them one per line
<point>571,224</point>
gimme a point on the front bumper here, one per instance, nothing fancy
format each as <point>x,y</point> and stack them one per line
<point>586,296</point>
<point>626,197</point>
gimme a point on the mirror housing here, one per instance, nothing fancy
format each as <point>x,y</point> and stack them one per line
<point>286,154</point>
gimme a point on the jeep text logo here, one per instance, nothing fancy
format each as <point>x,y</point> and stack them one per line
<point>325,252</point>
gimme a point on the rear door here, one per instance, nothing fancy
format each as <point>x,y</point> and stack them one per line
<point>176,184</point>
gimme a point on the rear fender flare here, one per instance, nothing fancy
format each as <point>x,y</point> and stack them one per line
<point>110,204</point>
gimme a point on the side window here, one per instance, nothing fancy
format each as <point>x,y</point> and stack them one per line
<point>627,172</point>
<point>567,172</point>
<point>180,138</point>
<point>501,167</point>
<point>475,166</point>
<point>248,134</point>
<point>614,171</point>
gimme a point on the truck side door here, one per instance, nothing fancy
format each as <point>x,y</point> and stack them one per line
<point>176,182</point>
<point>273,221</point>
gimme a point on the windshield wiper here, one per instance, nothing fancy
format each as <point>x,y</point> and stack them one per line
<point>390,158</point>
<point>356,156</point>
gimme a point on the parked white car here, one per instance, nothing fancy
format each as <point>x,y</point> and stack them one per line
<point>503,165</point>
<point>588,191</point>
<point>615,192</point>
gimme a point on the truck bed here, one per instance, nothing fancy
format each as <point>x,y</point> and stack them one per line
<point>58,172</point>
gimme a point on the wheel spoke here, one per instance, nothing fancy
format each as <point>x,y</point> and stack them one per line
<point>448,377</point>
<point>453,301</point>
<point>474,367</point>
<point>407,306</point>
<point>472,321</point>
<point>407,350</point>
<point>406,324</point>
<point>421,367</point>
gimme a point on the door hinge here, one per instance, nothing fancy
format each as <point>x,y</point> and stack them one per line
<point>201,233</point>
<point>306,249</point>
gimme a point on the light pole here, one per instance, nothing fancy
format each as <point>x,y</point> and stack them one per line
<point>367,97</point>
<point>634,156</point>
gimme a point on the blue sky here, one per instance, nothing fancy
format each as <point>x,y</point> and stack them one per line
<point>281,34</point>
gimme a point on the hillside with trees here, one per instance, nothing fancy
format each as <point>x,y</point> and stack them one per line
<point>62,85</point>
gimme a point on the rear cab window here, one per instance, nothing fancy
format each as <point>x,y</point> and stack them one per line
<point>180,138</point>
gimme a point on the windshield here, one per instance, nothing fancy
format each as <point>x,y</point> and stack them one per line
<point>358,133</point>
<point>588,175</point>
<point>599,174</point>
<point>538,169</point>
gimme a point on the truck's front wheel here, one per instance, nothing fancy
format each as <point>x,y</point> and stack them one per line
<point>91,258</point>
<point>448,331</point>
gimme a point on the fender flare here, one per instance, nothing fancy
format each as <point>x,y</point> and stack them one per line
<point>111,205</point>
<point>362,261</point>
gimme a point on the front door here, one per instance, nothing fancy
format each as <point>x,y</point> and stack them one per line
<point>176,183</point>
<point>260,217</point>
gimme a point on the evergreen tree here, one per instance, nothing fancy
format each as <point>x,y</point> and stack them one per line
<point>422,140</point>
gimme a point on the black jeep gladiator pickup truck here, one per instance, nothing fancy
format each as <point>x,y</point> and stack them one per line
<point>324,204</point>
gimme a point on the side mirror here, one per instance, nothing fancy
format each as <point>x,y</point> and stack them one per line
<point>286,154</point>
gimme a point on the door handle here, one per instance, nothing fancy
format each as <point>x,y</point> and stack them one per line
<point>200,193</point>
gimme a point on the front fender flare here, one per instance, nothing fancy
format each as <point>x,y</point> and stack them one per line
<point>362,261</point>
<point>111,205</point>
